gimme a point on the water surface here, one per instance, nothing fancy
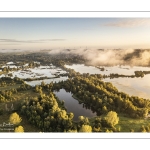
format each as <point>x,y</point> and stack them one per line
<point>132,86</point>
<point>73,105</point>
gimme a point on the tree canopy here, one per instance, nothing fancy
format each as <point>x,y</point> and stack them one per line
<point>15,119</point>
<point>85,128</point>
<point>19,129</point>
<point>112,119</point>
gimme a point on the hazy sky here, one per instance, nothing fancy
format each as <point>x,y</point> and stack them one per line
<point>47,33</point>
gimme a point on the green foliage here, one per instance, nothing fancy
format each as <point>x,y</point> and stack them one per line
<point>19,129</point>
<point>45,113</point>
<point>83,120</point>
<point>85,128</point>
<point>103,97</point>
<point>139,74</point>
<point>142,129</point>
<point>112,119</point>
<point>15,119</point>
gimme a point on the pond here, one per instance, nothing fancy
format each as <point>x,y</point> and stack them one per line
<point>132,86</point>
<point>73,105</point>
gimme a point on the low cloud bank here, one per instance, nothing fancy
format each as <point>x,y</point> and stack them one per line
<point>110,57</point>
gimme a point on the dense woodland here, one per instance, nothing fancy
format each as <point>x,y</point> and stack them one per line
<point>43,110</point>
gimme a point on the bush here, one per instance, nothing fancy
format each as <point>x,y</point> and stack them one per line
<point>15,119</point>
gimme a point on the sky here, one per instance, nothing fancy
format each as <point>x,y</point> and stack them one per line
<point>49,33</point>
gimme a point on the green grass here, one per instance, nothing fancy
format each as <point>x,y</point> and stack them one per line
<point>9,87</point>
<point>19,97</point>
<point>24,94</point>
<point>126,123</point>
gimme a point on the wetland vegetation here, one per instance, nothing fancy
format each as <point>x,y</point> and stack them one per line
<point>66,92</point>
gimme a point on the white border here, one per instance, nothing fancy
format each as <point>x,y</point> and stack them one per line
<point>55,135</point>
<point>74,5</point>
<point>74,14</point>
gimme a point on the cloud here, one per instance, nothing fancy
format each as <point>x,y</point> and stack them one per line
<point>133,22</point>
<point>29,41</point>
<point>132,57</point>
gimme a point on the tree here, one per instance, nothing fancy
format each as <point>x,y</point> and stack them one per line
<point>83,120</point>
<point>19,129</point>
<point>85,128</point>
<point>43,83</point>
<point>112,119</point>
<point>104,109</point>
<point>71,115</point>
<point>142,129</point>
<point>15,119</point>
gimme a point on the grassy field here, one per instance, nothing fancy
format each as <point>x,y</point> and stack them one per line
<point>10,87</point>
<point>126,123</point>
<point>19,97</point>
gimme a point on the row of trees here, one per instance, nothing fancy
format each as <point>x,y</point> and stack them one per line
<point>102,97</point>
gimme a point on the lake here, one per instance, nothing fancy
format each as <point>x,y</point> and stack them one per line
<point>73,105</point>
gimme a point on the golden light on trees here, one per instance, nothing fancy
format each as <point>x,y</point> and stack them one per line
<point>15,119</point>
<point>111,118</point>
<point>85,128</point>
<point>19,129</point>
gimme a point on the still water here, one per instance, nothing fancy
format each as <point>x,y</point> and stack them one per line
<point>73,105</point>
<point>37,72</point>
<point>132,86</point>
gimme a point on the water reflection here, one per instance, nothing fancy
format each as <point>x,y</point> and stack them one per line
<point>73,105</point>
<point>133,86</point>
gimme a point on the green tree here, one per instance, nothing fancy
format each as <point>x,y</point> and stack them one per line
<point>71,115</point>
<point>15,119</point>
<point>85,128</point>
<point>112,119</point>
<point>19,129</point>
<point>83,120</point>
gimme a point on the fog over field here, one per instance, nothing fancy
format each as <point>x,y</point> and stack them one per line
<point>135,57</point>
<point>110,57</point>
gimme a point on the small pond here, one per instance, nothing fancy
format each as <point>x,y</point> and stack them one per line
<point>73,105</point>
